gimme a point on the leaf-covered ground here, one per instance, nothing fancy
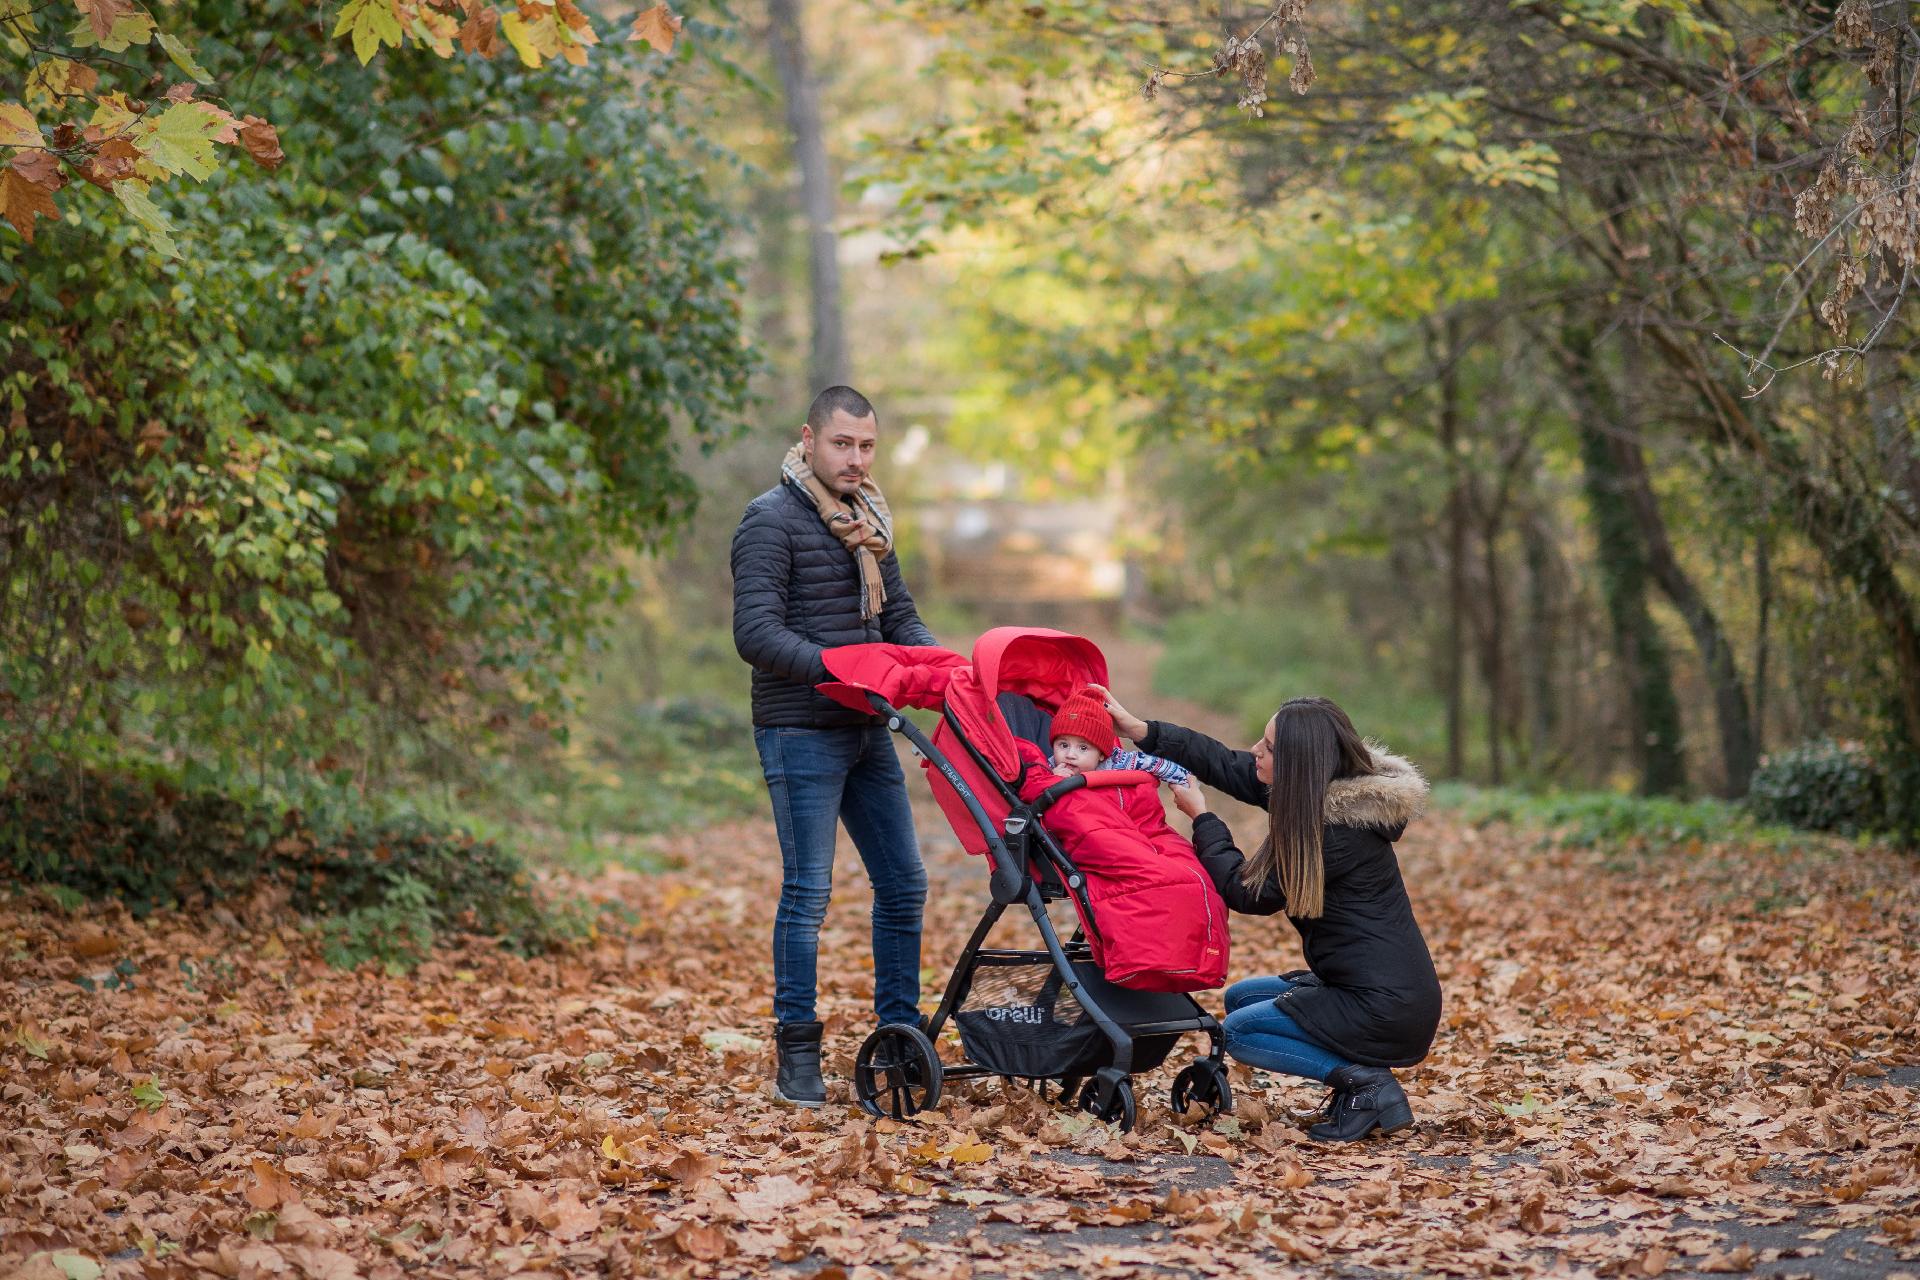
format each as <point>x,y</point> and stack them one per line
<point>1701,1060</point>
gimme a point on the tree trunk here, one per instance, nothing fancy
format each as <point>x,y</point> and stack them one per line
<point>1624,575</point>
<point>1540,640</point>
<point>1843,525</point>
<point>1739,746</point>
<point>1493,654</point>
<point>1763,609</point>
<point>827,363</point>
<point>1445,354</point>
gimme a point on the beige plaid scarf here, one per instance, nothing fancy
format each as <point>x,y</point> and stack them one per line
<point>867,547</point>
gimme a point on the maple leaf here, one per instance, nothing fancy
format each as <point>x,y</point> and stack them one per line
<point>535,38</point>
<point>132,194</point>
<point>103,14</point>
<point>17,127</point>
<point>127,27</point>
<point>371,23</point>
<point>180,139</point>
<point>701,1242</point>
<point>183,57</point>
<point>270,1187</point>
<point>481,32</point>
<point>58,78</point>
<point>26,192</point>
<point>27,1035</point>
<point>262,142</point>
<point>657,26</point>
<point>771,1196</point>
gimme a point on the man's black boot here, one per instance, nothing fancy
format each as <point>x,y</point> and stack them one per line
<point>1364,1099</point>
<point>799,1079</point>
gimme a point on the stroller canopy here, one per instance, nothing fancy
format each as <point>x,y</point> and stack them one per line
<point>1038,663</point>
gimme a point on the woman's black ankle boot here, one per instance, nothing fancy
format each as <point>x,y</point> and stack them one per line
<point>799,1079</point>
<point>1364,1099</point>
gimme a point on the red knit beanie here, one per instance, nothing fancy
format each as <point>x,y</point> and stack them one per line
<point>1084,715</point>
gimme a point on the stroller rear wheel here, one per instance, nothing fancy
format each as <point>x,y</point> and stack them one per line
<point>1108,1097</point>
<point>897,1073</point>
<point>1204,1082</point>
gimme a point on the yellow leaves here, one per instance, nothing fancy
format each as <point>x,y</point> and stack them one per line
<point>370,24</point>
<point>539,31</point>
<point>657,26</point>
<point>970,1150</point>
<point>55,79</point>
<point>17,126</point>
<point>524,38</point>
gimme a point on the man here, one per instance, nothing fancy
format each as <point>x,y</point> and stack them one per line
<point>814,568</point>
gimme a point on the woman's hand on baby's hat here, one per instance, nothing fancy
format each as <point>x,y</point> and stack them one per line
<point>1125,723</point>
<point>1190,798</point>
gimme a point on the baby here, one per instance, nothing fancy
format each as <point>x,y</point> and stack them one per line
<point>1083,740</point>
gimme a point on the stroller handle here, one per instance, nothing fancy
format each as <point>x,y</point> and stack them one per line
<point>1010,878</point>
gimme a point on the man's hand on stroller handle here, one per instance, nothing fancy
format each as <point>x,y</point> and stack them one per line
<point>1125,723</point>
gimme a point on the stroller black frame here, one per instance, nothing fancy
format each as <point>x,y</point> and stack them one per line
<point>898,1071</point>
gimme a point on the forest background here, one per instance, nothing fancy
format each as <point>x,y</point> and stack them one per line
<point>1537,379</point>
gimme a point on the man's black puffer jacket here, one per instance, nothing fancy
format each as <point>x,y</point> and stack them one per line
<point>796,591</point>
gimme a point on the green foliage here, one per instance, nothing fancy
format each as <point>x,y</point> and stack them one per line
<point>1610,820</point>
<point>1249,659</point>
<point>397,931</point>
<point>79,112</point>
<point>627,775</point>
<point>1822,786</point>
<point>393,886</point>
<point>347,469</point>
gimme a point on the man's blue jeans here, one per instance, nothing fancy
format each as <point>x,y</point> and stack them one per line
<point>818,778</point>
<point>1260,1035</point>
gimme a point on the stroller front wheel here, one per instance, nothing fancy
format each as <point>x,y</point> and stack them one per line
<point>1109,1100</point>
<point>1204,1082</point>
<point>897,1073</point>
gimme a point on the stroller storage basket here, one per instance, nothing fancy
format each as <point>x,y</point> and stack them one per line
<point>1018,1018</point>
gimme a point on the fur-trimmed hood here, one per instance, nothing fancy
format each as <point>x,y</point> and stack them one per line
<point>1384,801</point>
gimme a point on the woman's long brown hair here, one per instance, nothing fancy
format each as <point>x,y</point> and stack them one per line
<point>1313,743</point>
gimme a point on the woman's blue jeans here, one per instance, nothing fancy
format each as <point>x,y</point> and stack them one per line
<point>1261,1035</point>
<point>818,778</point>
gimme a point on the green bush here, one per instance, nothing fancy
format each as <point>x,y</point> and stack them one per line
<point>1601,819</point>
<point>384,889</point>
<point>1821,786</point>
<point>345,476</point>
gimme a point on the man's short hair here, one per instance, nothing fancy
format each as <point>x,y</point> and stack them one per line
<point>837,400</point>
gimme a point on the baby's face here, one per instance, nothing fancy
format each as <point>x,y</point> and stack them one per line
<point>1075,755</point>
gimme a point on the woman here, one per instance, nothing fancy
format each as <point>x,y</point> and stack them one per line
<point>1370,999</point>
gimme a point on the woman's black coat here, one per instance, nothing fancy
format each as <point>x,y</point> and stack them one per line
<point>1377,998</point>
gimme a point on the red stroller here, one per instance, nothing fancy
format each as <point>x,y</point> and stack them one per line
<point>1050,1014</point>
